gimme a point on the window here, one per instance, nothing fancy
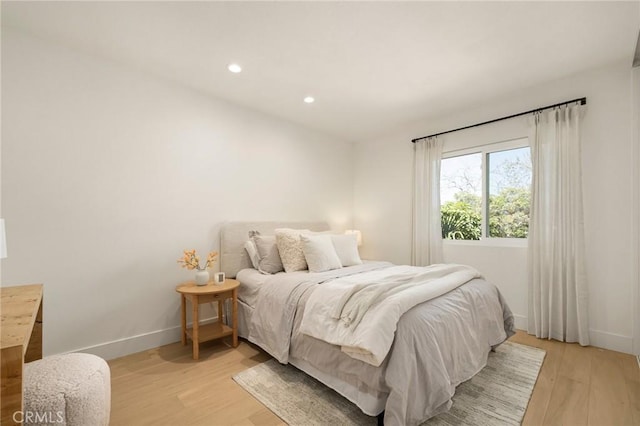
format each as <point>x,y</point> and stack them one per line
<point>485,192</point>
<point>461,197</point>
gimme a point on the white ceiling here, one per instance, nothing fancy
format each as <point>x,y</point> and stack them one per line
<point>371,66</point>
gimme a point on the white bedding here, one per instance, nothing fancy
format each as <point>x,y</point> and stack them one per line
<point>360,313</point>
<point>251,280</point>
<point>438,344</point>
<point>277,304</point>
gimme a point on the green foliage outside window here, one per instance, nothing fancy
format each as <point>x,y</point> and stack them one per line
<point>508,183</point>
<point>508,215</point>
<point>461,219</point>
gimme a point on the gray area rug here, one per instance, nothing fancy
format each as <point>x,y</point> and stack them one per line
<point>497,395</point>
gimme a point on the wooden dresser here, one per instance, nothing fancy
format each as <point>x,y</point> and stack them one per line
<point>21,330</point>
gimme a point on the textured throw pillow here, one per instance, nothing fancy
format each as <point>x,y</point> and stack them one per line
<point>319,253</point>
<point>270,262</point>
<point>347,249</point>
<point>290,248</point>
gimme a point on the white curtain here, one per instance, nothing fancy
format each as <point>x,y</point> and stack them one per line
<point>427,232</point>
<point>557,280</point>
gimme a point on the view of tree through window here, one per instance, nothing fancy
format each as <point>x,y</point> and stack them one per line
<point>509,187</point>
<point>509,193</point>
<point>461,197</point>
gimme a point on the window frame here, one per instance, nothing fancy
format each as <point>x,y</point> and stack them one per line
<point>485,150</point>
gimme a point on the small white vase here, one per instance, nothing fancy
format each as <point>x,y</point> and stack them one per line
<point>202,277</point>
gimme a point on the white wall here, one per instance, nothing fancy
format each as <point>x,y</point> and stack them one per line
<point>108,174</point>
<point>382,205</point>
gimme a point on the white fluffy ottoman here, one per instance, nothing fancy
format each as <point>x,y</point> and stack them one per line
<point>70,389</point>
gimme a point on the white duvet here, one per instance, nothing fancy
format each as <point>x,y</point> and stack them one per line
<point>360,313</point>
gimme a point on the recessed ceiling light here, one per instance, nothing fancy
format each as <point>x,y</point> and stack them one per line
<point>309,100</point>
<point>234,68</point>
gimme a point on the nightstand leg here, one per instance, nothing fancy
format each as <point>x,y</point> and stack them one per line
<point>220,316</point>
<point>235,318</point>
<point>196,320</point>
<point>183,318</point>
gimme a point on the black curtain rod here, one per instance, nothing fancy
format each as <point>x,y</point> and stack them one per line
<point>583,101</point>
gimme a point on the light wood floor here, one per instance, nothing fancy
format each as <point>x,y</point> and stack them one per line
<point>164,386</point>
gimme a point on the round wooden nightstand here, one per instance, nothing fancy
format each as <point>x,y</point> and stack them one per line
<point>211,292</point>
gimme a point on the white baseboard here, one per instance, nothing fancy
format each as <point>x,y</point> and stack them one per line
<point>600,339</point>
<point>520,322</point>
<point>615,342</point>
<point>138,343</point>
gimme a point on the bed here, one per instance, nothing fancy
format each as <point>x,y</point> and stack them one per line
<point>437,344</point>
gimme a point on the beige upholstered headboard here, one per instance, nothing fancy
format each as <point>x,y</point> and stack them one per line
<point>233,256</point>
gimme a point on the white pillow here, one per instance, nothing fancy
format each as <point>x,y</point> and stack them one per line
<point>290,249</point>
<point>346,247</point>
<point>319,253</point>
<point>252,251</point>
